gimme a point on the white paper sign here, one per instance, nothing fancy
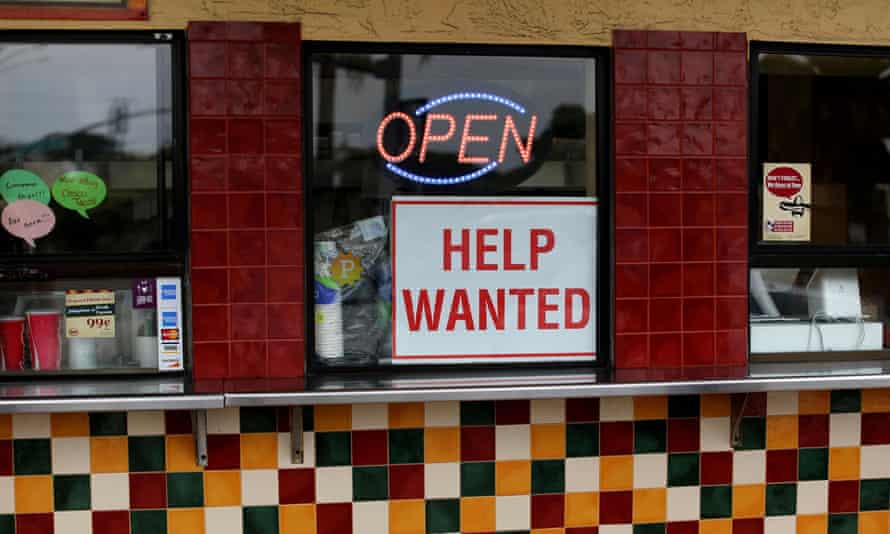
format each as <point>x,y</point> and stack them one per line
<point>493,279</point>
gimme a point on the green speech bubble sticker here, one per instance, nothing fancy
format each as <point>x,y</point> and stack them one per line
<point>79,191</point>
<point>19,184</point>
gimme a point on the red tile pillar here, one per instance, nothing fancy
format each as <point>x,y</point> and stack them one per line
<point>246,203</point>
<point>681,199</point>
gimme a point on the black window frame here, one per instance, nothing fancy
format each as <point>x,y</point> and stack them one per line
<point>605,192</point>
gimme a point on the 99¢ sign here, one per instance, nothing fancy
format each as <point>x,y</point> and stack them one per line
<point>493,279</point>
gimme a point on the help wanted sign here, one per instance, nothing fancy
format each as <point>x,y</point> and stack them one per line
<point>493,279</point>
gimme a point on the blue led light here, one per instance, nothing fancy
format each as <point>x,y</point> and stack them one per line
<point>431,180</point>
<point>469,96</point>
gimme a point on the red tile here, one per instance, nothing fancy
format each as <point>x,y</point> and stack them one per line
<point>698,139</point>
<point>630,103</point>
<point>283,32</point>
<point>697,40</point>
<point>843,496</point>
<point>248,321</point>
<point>206,213</point>
<point>665,280</point>
<point>283,137</point>
<point>631,280</point>
<point>729,104</point>
<point>730,69</point>
<point>630,138</point>
<point>631,351</point>
<point>282,61</point>
<point>698,314</point>
<point>223,451</point>
<point>663,138</point>
<point>210,323</point>
<point>283,173</point>
<point>111,522</point>
<point>296,486</point>
<point>697,103</point>
<point>730,139</point>
<point>698,174</point>
<point>206,31</point>
<point>682,527</point>
<point>211,360</point>
<point>282,97</point>
<point>34,524</point>
<point>244,31</point>
<point>247,359</point>
<point>246,173</point>
<point>732,209</point>
<point>209,286</point>
<point>732,243</point>
<point>732,347</point>
<point>752,525</point>
<point>732,174</point>
<point>616,507</point>
<point>755,405</point>
<point>207,97</point>
<point>247,247</point>
<point>697,68</point>
<point>812,430</point>
<point>406,481</point>
<point>663,39</point>
<point>582,530</point>
<point>665,350</point>
<point>698,209</point>
<point>244,97</point>
<point>666,209</point>
<point>664,67</point>
<point>548,511</point>
<point>665,244</point>
<point>245,136</point>
<point>716,468</point>
<point>284,210</point>
<point>630,209</point>
<point>208,173</point>
<point>665,315</point>
<point>369,447</point>
<point>616,438</point>
<point>177,422</point>
<point>148,490</point>
<point>698,279</point>
<point>285,321</point>
<point>732,313</point>
<point>287,358</point>
<point>698,244</point>
<point>631,316</point>
<point>781,466</point>
<point>630,66</point>
<point>683,435</point>
<point>285,247</point>
<point>285,284</point>
<point>631,245</point>
<point>630,175</point>
<point>512,412</point>
<point>6,457</point>
<point>876,428</point>
<point>334,518</point>
<point>477,444</point>
<point>207,136</point>
<point>629,38</point>
<point>663,103</point>
<point>248,284</point>
<point>582,410</point>
<point>209,249</point>
<point>737,41</point>
<point>245,60</point>
<point>698,349</point>
<point>247,210</point>
<point>283,415</point>
<point>207,60</point>
<point>732,279</point>
<point>665,175</point>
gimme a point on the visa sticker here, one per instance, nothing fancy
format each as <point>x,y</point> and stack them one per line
<point>168,292</point>
<point>168,319</point>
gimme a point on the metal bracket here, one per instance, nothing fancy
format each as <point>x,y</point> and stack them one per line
<point>735,421</point>
<point>199,431</point>
<point>296,434</point>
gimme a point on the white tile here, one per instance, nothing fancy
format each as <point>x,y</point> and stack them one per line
<point>616,409</point>
<point>73,522</point>
<point>749,467</point>
<point>781,403</point>
<point>445,413</point>
<point>223,520</point>
<point>259,487</point>
<point>715,434</point>
<point>513,513</point>
<point>548,411</point>
<point>30,425</point>
<point>683,503</point>
<point>149,423</point>
<point>370,517</point>
<point>874,461</point>
<point>7,495</point>
<point>650,470</point>
<point>110,491</point>
<point>512,442</point>
<point>370,416</point>
<point>284,452</point>
<point>812,497</point>
<point>70,455</point>
<point>844,430</point>
<point>780,525</point>
<point>582,474</point>
<point>224,421</point>
<point>441,481</point>
<point>616,529</point>
<point>333,484</point>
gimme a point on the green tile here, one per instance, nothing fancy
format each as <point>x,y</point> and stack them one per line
<point>477,479</point>
<point>753,431</point>
<point>185,490</point>
<point>684,406</point>
<point>781,499</point>
<point>842,523</point>
<point>476,413</point>
<point>369,484</point>
<point>683,469</point>
<point>308,418</point>
<point>716,502</point>
<point>260,520</point>
<point>258,419</point>
<point>582,440</point>
<point>146,453</point>
<point>442,516</point>
<point>148,522</point>
<point>108,423</point>
<point>846,401</point>
<point>71,492</point>
<point>812,464</point>
<point>650,436</point>
<point>548,476</point>
<point>874,494</point>
<point>7,524</point>
<point>406,446</point>
<point>649,528</point>
<point>32,457</point>
<point>333,448</point>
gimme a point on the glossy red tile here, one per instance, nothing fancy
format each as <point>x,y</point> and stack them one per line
<point>244,97</point>
<point>732,348</point>
<point>223,451</point>
<point>512,412</point>
<point>207,97</point>
<point>285,284</point>
<point>665,209</point>
<point>732,313</point>
<point>281,97</point>
<point>248,284</point>
<point>682,527</point>
<point>282,60</point>
<point>697,40</point>
<point>335,518</point>
<point>296,486</point>
<point>732,243</point>
<point>283,137</point>
<point>663,103</point>
<point>729,104</point>
<point>477,444</point>
<point>6,457</point>
<point>616,438</point>
<point>665,244</point>
<point>209,249</point>
<point>750,525</point>
<point>631,351</point>
<point>716,468</point>
<point>582,530</point>
<point>737,41</point>
<point>698,174</point>
<point>630,209</point>
<point>206,31</point>
<point>210,323</point>
<point>663,138</point>
<point>283,32</point>
<point>732,279</point>
<point>663,39</point>
<point>111,522</point>
<point>732,174</point>
<point>208,173</point>
<point>698,209</point>
<point>629,38</point>
<point>698,349</point>
<point>812,430</point>
<point>211,360</point>
<point>245,136</point>
<point>665,280</point>
<point>698,314</point>
<point>207,136</point>
<point>247,247</point>
<point>630,138</point>
<point>283,173</point>
<point>781,466</point>
<point>664,68</point>
<point>698,139</point>
<point>665,350</point>
<point>630,175</point>
<point>207,60</point>
<point>210,286</point>
<point>630,66</point>
<point>697,103</point>
<point>287,359</point>
<point>730,138</point>
<point>206,213</point>
<point>665,174</point>
<point>148,490</point>
<point>732,209</point>
<point>246,173</point>
<point>631,316</point>
<point>630,103</point>
<point>406,481</point>
<point>247,359</point>
<point>665,315</point>
<point>248,321</point>
<point>616,507</point>
<point>284,210</point>
<point>177,422</point>
<point>729,68</point>
<point>631,245</point>
<point>369,447</point>
<point>876,429</point>
<point>285,320</point>
<point>548,511</point>
<point>697,68</point>
<point>683,435</point>
<point>247,210</point>
<point>34,524</point>
<point>698,279</point>
<point>698,244</point>
<point>843,496</point>
<point>631,280</point>
<point>285,247</point>
<point>245,60</point>
<point>244,31</point>
<point>582,410</point>
<point>755,406</point>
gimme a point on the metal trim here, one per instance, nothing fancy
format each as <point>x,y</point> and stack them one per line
<point>111,404</point>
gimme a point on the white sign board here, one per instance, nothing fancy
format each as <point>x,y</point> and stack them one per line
<point>493,279</point>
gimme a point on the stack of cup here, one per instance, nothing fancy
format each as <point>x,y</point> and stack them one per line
<point>44,327</point>
<point>328,305</point>
<point>12,342</point>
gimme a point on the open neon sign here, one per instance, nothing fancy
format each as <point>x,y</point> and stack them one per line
<point>442,127</point>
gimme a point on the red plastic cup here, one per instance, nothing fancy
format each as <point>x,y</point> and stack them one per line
<point>12,342</point>
<point>44,327</point>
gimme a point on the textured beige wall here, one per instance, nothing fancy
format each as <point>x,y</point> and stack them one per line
<point>529,21</point>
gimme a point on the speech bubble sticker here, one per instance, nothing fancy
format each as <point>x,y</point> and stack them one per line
<point>79,191</point>
<point>19,184</point>
<point>28,219</point>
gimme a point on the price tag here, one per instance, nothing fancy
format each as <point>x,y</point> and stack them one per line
<point>89,313</point>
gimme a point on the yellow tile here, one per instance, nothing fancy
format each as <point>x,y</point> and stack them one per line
<point>69,425</point>
<point>876,400</point>
<point>441,444</point>
<point>812,524</point>
<point>843,463</point>
<point>781,432</point>
<point>34,494</point>
<point>616,473</point>
<point>748,501</point>
<point>297,519</point>
<point>477,514</point>
<point>259,451</point>
<point>181,453</point>
<point>185,521</point>
<point>650,505</point>
<point>406,415</point>
<point>715,526</point>
<point>109,454</point>
<point>333,417</point>
<point>5,426</point>
<point>549,441</point>
<point>222,488</point>
<point>650,407</point>
<point>716,405</point>
<point>407,517</point>
<point>813,402</point>
<point>874,522</point>
<point>582,509</point>
<point>513,477</point>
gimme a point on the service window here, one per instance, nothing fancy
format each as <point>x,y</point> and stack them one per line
<point>92,202</point>
<point>454,204</point>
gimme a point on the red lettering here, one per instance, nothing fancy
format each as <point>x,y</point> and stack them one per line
<point>544,307</point>
<point>508,253</point>
<point>428,136</point>
<point>537,248</point>
<point>412,137</point>
<point>521,295</point>
<point>570,322</point>
<point>525,152</point>
<point>487,309</point>
<point>482,247</point>
<point>423,309</point>
<point>466,139</point>
<point>460,311</point>
<point>463,248</point>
